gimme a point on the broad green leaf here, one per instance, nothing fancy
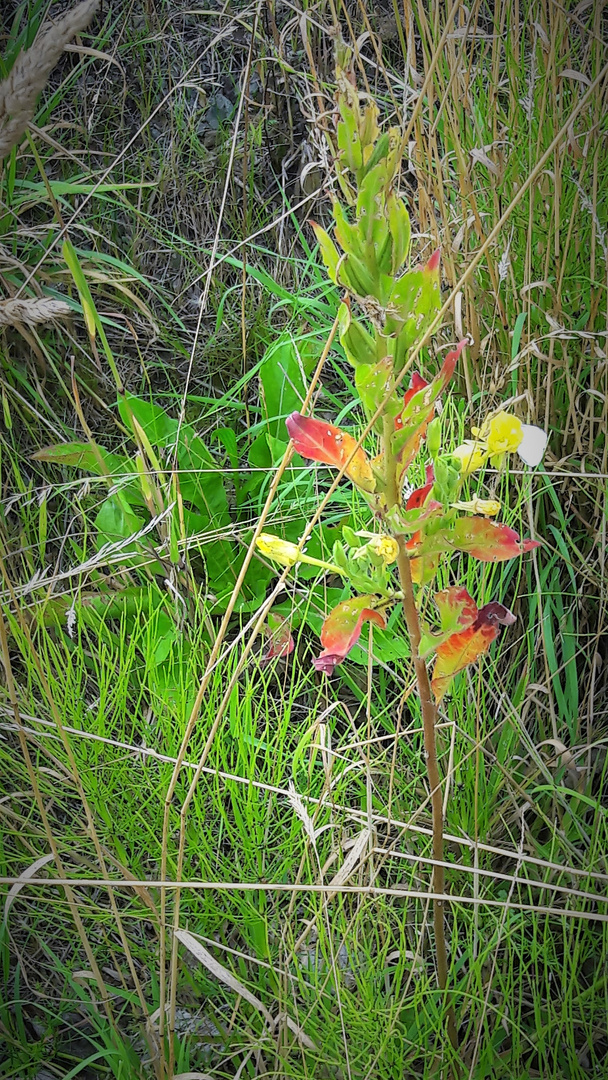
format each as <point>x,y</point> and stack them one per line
<point>200,479</point>
<point>157,425</point>
<point>284,382</point>
<point>82,456</point>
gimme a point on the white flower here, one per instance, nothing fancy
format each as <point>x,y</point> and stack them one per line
<point>533,445</point>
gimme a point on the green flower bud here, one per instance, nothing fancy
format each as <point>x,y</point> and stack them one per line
<point>433,437</point>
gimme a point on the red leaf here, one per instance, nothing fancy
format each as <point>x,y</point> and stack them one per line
<point>464,648</point>
<point>321,441</point>
<point>342,629</point>
<point>416,383</point>
<point>419,496</point>
<point>411,422</point>
<point>281,642</point>
<point>449,364</point>
<point>488,541</point>
<point>433,264</point>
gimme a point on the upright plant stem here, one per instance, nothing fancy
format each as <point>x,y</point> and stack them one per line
<point>429,716</point>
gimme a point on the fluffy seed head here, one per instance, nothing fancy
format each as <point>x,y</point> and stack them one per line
<point>28,75</point>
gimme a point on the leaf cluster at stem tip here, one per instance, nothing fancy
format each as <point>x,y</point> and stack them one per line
<point>388,307</point>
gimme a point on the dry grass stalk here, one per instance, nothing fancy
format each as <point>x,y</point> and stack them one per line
<point>28,75</point>
<point>31,312</point>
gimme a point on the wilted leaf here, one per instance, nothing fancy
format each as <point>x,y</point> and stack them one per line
<point>464,648</point>
<point>280,643</point>
<point>323,442</point>
<point>342,629</point>
<point>457,610</point>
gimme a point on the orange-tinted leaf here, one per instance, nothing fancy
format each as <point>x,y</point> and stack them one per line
<point>464,648</point>
<point>323,442</point>
<point>488,541</point>
<point>342,629</point>
<point>281,643</point>
<point>457,610</point>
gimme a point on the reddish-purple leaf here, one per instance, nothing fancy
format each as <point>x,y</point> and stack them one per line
<point>321,441</point>
<point>342,629</point>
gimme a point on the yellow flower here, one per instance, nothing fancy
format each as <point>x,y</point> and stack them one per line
<point>471,456</point>
<point>281,551</point>
<point>378,543</point>
<point>502,433</point>
<point>386,547</point>
<point>288,554</point>
<point>487,507</point>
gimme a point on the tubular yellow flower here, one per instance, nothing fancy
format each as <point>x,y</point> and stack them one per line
<point>288,554</point>
<point>502,433</point>
<point>487,507</point>
<point>281,551</point>
<point>471,456</point>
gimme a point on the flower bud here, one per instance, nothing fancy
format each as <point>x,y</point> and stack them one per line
<point>471,456</point>
<point>433,437</point>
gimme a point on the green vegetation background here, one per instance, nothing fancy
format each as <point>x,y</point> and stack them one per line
<point>183,150</point>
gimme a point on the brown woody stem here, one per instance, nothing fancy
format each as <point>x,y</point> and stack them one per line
<point>429,716</point>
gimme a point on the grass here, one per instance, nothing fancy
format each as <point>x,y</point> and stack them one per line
<point>314,907</point>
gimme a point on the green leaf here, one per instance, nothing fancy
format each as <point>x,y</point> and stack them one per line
<point>201,481</point>
<point>400,230</point>
<point>166,635</point>
<point>159,428</point>
<point>116,521</point>
<point>82,456</point>
<point>372,382</point>
<point>372,222</point>
<point>356,276</point>
<point>357,342</point>
<point>329,251</point>
<point>349,142</point>
<point>284,382</point>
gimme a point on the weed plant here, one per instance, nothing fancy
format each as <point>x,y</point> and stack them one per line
<point>214,861</point>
